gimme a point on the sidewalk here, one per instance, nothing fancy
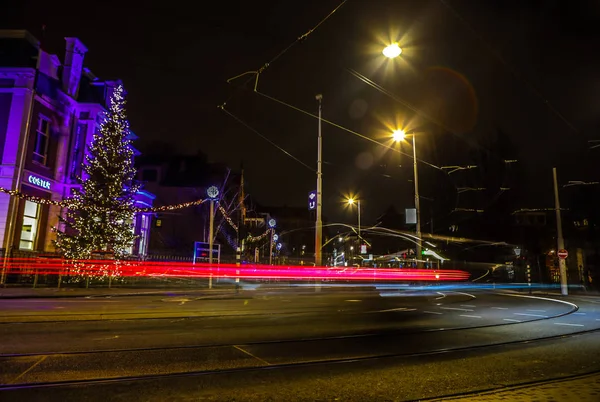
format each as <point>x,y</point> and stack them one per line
<point>28,292</point>
<point>581,389</point>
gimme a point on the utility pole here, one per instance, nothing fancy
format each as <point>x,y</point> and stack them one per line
<point>319,223</point>
<point>562,264</point>
<point>417,204</point>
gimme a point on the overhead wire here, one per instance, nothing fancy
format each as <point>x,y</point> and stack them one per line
<point>266,139</point>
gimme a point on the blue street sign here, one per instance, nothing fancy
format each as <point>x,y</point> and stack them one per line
<point>312,200</point>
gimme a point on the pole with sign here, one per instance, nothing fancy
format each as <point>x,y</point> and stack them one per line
<point>562,265</point>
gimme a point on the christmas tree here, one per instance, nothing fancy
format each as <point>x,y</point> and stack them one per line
<point>100,214</point>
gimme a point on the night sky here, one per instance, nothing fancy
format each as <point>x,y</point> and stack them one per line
<point>529,69</point>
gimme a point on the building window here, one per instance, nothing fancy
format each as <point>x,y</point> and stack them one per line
<point>7,83</point>
<point>42,138</point>
<point>31,218</point>
<point>144,231</point>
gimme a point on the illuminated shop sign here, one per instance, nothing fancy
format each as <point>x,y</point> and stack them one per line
<point>38,182</point>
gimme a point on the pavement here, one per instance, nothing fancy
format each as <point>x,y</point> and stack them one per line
<point>582,389</point>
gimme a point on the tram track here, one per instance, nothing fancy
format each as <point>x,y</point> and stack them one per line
<point>284,366</point>
<point>258,361</point>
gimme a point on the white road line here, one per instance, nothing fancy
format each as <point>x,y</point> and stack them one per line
<point>397,309</point>
<point>597,319</point>
<point>456,308</point>
<point>539,311</point>
<point>575,306</point>
<point>578,313</point>
<point>511,320</point>
<point>570,325</point>
<point>467,305</point>
<point>470,316</point>
<point>500,308</point>
<point>531,315</point>
<point>466,294</point>
<point>432,312</point>
<point>440,293</point>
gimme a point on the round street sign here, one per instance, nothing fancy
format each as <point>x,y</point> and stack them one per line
<point>562,254</point>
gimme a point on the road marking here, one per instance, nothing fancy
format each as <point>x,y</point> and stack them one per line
<point>440,293</point>
<point>250,354</point>
<point>470,316</point>
<point>539,311</point>
<point>34,365</point>
<point>353,300</point>
<point>570,325</point>
<point>109,338</point>
<point>467,305</point>
<point>575,306</point>
<point>397,309</point>
<point>511,320</point>
<point>578,313</point>
<point>432,312</point>
<point>531,315</point>
<point>500,308</point>
<point>466,294</point>
<point>456,308</point>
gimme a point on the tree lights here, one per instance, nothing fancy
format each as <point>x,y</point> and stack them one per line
<point>103,213</point>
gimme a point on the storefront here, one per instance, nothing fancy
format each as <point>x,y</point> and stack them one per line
<point>32,221</point>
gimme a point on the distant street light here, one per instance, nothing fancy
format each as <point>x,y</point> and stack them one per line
<point>400,135</point>
<point>392,51</point>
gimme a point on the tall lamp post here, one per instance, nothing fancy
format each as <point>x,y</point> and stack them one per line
<point>400,135</point>
<point>212,192</point>
<point>319,223</point>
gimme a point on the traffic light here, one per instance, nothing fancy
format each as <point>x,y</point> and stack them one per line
<point>423,251</point>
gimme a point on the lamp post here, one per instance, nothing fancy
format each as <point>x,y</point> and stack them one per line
<point>272,224</point>
<point>400,135</point>
<point>319,223</point>
<point>212,192</point>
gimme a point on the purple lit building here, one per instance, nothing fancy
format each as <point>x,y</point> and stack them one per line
<point>49,112</point>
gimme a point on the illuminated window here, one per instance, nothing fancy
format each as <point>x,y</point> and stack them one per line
<point>42,137</point>
<point>144,230</point>
<point>31,217</point>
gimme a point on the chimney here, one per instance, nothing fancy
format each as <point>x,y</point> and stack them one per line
<point>75,52</point>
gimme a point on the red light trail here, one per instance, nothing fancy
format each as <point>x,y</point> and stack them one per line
<point>98,268</point>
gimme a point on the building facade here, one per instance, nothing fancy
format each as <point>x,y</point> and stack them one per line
<point>49,113</point>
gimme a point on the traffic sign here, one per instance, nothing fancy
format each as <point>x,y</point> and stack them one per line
<point>562,254</point>
<point>312,200</point>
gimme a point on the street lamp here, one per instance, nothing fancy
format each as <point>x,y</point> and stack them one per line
<point>400,135</point>
<point>392,51</point>
<point>351,202</point>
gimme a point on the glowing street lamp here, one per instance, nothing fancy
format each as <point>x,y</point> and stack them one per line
<point>399,135</point>
<point>392,51</point>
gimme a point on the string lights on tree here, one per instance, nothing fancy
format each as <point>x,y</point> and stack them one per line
<point>101,212</point>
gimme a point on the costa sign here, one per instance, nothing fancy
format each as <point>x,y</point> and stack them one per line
<point>39,182</point>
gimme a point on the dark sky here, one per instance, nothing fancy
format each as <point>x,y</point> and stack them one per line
<point>476,66</point>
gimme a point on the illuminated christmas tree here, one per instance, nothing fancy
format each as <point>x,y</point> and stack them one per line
<point>101,212</point>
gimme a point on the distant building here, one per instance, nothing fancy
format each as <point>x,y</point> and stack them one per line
<point>49,112</point>
<point>177,179</point>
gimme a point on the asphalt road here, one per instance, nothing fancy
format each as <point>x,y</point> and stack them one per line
<point>276,344</point>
